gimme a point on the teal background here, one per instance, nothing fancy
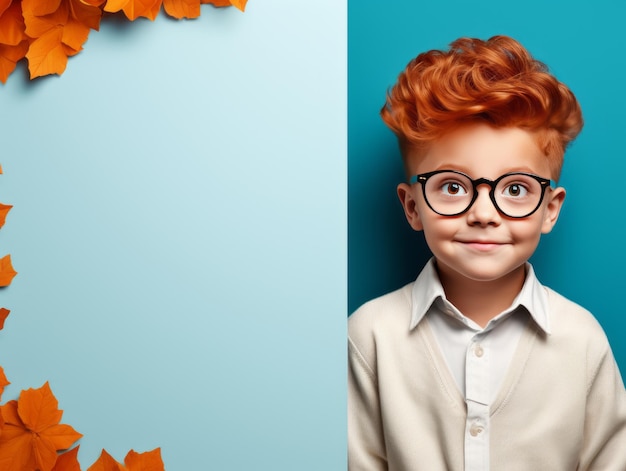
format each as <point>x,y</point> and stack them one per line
<point>179,229</point>
<point>583,44</point>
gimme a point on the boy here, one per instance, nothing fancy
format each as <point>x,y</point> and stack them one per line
<point>476,365</point>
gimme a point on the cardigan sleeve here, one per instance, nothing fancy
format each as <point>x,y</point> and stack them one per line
<point>366,447</point>
<point>604,446</point>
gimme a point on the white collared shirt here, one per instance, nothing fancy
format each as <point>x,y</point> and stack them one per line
<point>477,357</point>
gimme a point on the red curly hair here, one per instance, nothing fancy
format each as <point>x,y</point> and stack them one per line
<point>495,82</point>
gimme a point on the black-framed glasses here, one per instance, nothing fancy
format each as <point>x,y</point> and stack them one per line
<point>452,193</point>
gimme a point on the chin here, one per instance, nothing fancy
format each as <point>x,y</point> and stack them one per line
<point>499,274</point>
<point>485,273</point>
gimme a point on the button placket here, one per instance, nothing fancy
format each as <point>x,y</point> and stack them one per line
<point>477,400</point>
<point>477,372</point>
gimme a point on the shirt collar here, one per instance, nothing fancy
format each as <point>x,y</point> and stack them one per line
<point>427,289</point>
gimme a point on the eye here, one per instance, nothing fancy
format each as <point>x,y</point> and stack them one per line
<point>453,189</point>
<point>515,190</point>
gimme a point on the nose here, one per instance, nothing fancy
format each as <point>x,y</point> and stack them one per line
<point>483,212</point>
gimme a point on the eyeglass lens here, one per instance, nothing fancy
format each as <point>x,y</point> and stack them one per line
<point>451,193</point>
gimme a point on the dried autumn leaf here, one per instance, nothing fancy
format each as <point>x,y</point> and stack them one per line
<point>42,7</point>
<point>46,54</point>
<point>4,313</point>
<point>75,34</point>
<point>142,8</point>
<point>32,435</point>
<point>38,25</point>
<point>6,271</point>
<point>105,463</point>
<point>134,9</point>
<point>67,461</point>
<point>74,16</point>
<point>182,8</point>
<point>12,25</point>
<point>4,210</point>
<point>148,461</point>
<point>217,3</point>
<point>4,382</point>
<point>13,39</point>
<point>58,29</point>
<point>15,447</point>
<point>85,14</point>
<point>113,6</point>
<point>239,4</point>
<point>9,57</point>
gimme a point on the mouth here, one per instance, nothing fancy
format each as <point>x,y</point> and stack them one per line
<point>481,245</point>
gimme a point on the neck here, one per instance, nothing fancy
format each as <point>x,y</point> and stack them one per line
<point>481,301</point>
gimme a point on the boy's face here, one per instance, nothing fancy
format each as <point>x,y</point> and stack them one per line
<point>481,244</point>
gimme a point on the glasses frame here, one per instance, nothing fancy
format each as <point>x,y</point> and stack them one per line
<point>423,178</point>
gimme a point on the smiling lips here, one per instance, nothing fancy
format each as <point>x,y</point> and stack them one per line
<point>481,245</point>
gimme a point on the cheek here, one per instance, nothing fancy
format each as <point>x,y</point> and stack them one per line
<point>527,231</point>
<point>438,228</point>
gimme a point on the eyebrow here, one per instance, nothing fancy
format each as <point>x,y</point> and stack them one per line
<point>465,170</point>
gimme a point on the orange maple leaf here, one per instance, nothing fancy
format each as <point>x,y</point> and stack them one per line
<point>32,434</point>
<point>12,24</point>
<point>4,209</point>
<point>38,24</point>
<point>134,9</point>
<point>68,461</point>
<point>42,7</point>
<point>180,9</point>
<point>58,29</point>
<point>105,463</point>
<point>4,313</point>
<point>4,382</point>
<point>13,40</point>
<point>142,8</point>
<point>82,19</point>
<point>148,461</point>
<point>46,54</point>
<point>6,271</point>
<point>239,4</point>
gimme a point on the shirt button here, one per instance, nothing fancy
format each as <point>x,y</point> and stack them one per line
<point>476,430</point>
<point>479,351</point>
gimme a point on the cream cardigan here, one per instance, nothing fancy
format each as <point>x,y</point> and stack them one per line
<point>561,407</point>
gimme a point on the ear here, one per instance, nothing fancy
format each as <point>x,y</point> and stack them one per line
<point>553,208</point>
<point>409,204</point>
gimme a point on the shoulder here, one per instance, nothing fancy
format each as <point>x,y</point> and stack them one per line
<point>575,326</point>
<point>380,318</point>
<point>570,317</point>
<point>382,312</point>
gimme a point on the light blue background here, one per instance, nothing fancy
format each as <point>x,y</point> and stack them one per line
<point>583,44</point>
<point>179,229</point>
